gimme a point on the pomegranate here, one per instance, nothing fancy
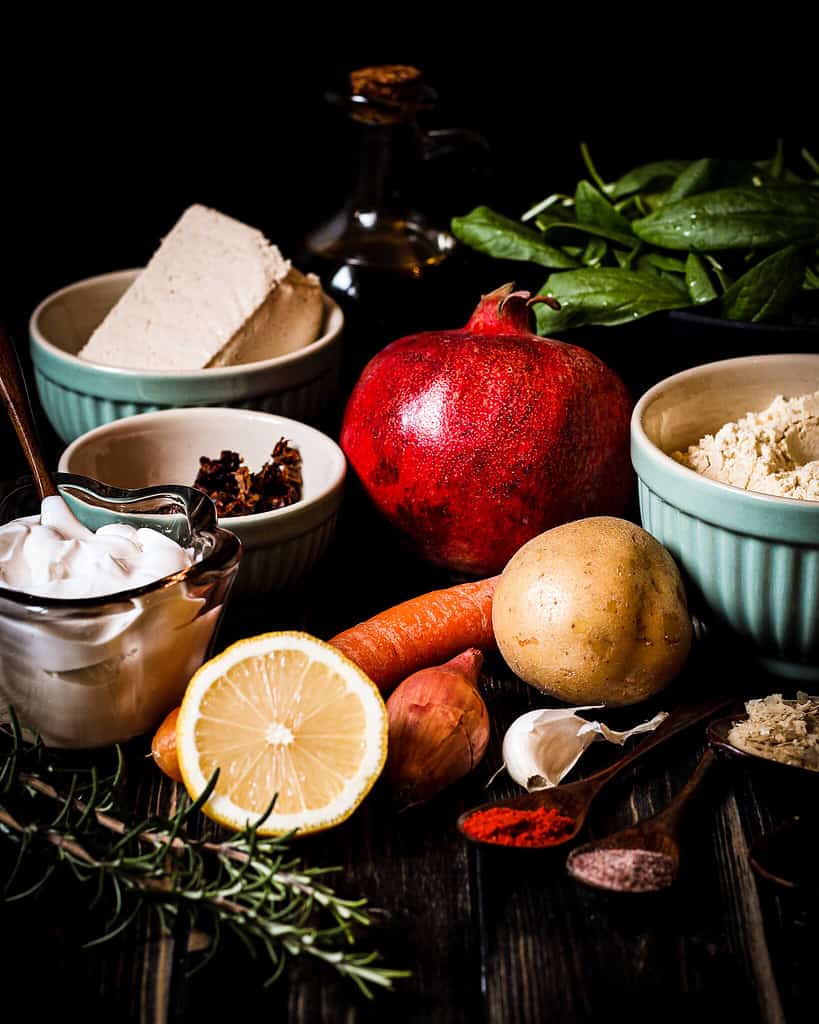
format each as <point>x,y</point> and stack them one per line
<point>473,441</point>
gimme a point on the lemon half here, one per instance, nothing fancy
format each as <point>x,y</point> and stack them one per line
<point>281,713</point>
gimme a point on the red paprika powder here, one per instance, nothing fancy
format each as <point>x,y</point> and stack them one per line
<point>510,826</point>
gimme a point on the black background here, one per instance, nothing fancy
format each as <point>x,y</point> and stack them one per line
<point>114,123</point>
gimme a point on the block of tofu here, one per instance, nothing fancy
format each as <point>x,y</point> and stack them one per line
<point>215,293</point>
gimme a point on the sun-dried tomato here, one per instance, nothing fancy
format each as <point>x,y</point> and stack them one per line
<point>237,492</point>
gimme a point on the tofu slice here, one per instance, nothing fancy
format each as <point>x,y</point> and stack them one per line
<point>215,293</point>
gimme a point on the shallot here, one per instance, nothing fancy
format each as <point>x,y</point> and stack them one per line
<point>438,728</point>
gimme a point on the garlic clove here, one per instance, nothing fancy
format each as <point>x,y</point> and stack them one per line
<point>542,746</point>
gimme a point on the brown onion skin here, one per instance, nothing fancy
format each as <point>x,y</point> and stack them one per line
<point>438,728</point>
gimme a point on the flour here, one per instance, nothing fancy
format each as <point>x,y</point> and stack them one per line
<point>775,451</point>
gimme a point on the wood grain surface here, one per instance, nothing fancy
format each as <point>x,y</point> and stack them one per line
<point>498,936</point>
<point>492,937</point>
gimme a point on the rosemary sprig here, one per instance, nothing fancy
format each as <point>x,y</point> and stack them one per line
<point>246,885</point>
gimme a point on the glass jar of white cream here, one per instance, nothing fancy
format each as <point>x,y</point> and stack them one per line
<point>91,671</point>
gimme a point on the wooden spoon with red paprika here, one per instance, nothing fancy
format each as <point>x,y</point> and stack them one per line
<point>552,817</point>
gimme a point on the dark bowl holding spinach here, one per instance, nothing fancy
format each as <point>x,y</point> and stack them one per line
<point>703,259</point>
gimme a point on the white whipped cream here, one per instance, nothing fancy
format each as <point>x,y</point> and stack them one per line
<point>54,555</point>
<point>91,676</point>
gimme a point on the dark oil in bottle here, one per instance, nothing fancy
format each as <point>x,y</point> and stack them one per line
<point>384,257</point>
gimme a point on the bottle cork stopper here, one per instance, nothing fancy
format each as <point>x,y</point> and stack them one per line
<point>396,86</point>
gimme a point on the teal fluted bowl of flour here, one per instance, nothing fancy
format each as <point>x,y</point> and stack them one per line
<point>78,396</point>
<point>753,558</point>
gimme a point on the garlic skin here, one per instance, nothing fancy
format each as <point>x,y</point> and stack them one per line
<point>542,746</point>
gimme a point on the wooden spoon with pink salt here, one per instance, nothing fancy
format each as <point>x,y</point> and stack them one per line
<point>644,857</point>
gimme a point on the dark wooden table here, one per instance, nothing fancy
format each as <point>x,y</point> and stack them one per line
<point>498,937</point>
<point>495,937</point>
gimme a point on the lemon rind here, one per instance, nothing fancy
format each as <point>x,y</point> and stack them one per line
<point>221,808</point>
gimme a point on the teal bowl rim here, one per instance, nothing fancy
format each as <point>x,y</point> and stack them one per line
<point>766,516</point>
<point>205,385</point>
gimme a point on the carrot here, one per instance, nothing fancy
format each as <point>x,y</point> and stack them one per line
<point>163,746</point>
<point>422,632</point>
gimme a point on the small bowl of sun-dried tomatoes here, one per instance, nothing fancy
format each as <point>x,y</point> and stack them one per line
<point>276,483</point>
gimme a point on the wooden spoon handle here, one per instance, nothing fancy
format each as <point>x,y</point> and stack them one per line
<point>15,398</point>
<point>671,815</point>
<point>678,720</point>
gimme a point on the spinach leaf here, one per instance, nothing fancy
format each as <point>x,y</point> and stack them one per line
<point>667,234</point>
<point>626,259</point>
<point>677,282</point>
<point>811,282</point>
<point>595,252</point>
<point>812,162</point>
<point>659,261</point>
<point>605,295</point>
<point>657,173</point>
<point>778,160</point>
<point>766,289</point>
<point>697,280</point>
<point>592,207</point>
<point>709,174</point>
<point>734,218</point>
<point>773,171</point>
<point>647,202</point>
<point>492,233</point>
<point>722,275</point>
<point>563,232</point>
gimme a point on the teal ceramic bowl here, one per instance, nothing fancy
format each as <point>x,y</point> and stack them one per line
<point>753,558</point>
<point>78,396</point>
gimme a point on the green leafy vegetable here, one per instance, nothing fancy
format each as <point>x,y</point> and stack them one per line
<point>699,284</point>
<point>778,162</point>
<point>707,175</point>
<point>611,296</point>
<point>592,207</point>
<point>564,232</point>
<point>653,174</point>
<point>734,218</point>
<point>767,288</point>
<point>738,236</point>
<point>505,239</point>
<point>811,281</point>
<point>722,275</point>
<point>811,161</point>
<point>595,252</point>
<point>658,261</point>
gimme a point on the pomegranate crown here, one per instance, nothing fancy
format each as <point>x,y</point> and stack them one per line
<point>506,311</point>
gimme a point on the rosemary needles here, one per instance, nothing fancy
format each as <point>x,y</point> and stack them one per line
<point>76,823</point>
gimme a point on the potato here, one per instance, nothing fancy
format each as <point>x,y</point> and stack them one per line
<point>593,612</point>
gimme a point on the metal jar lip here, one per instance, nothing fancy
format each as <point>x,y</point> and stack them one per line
<point>224,547</point>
